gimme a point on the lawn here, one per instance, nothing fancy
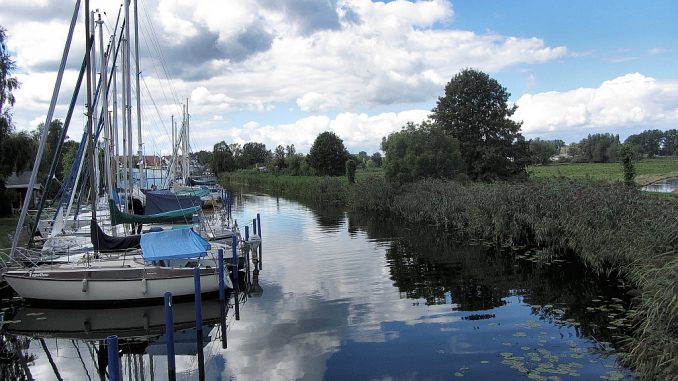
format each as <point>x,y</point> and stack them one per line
<point>647,170</point>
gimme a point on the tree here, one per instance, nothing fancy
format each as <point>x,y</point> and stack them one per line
<point>19,151</point>
<point>350,170</point>
<point>648,142</point>
<point>7,84</point>
<point>541,151</point>
<point>422,151</point>
<point>670,146</point>
<point>254,153</point>
<point>596,148</point>
<point>222,158</point>
<point>475,111</point>
<point>279,157</point>
<point>627,155</point>
<point>328,155</point>
<point>291,151</point>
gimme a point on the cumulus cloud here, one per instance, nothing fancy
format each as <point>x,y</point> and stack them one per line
<point>632,99</point>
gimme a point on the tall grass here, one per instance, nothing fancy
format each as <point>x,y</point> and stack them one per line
<point>612,227</point>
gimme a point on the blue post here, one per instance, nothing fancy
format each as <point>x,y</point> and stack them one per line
<point>259,223</point>
<point>234,244</point>
<point>254,225</point>
<point>198,323</point>
<point>169,335</point>
<point>220,267</point>
<point>247,233</point>
<point>113,358</point>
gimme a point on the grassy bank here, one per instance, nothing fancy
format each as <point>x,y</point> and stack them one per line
<point>611,227</point>
<point>647,170</point>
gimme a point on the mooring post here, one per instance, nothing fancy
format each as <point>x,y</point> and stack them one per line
<point>222,323</point>
<point>234,244</point>
<point>247,233</point>
<point>259,223</point>
<point>254,226</point>
<point>169,335</point>
<point>113,358</point>
<point>198,323</point>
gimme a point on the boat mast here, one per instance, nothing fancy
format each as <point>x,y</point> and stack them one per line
<point>104,110</point>
<point>142,162</point>
<point>43,138</point>
<point>90,135</point>
<point>128,101</point>
<point>96,98</point>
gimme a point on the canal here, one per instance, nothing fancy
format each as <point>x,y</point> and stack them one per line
<point>352,297</point>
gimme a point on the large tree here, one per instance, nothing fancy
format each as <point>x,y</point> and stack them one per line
<point>222,158</point>
<point>475,110</point>
<point>418,152</point>
<point>7,85</point>
<point>254,153</point>
<point>328,155</point>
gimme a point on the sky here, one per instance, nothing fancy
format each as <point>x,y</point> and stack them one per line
<point>280,72</point>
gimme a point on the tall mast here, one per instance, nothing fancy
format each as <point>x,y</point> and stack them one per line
<point>142,165</point>
<point>104,110</point>
<point>128,101</point>
<point>48,121</point>
<point>90,134</point>
<point>95,119</point>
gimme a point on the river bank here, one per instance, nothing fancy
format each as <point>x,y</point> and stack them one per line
<point>614,229</point>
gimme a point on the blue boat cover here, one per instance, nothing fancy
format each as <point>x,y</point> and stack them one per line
<point>165,201</point>
<point>173,244</point>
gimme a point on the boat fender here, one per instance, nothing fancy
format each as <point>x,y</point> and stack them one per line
<point>144,286</point>
<point>84,285</point>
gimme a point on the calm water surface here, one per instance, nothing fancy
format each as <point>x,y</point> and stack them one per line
<point>347,297</point>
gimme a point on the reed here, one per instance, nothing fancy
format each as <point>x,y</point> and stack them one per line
<point>613,228</point>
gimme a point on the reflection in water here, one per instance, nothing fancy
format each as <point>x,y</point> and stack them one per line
<point>355,297</point>
<point>662,186</point>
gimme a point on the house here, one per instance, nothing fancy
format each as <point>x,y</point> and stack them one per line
<point>19,182</point>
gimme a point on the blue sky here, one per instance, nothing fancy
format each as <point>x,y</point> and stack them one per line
<point>283,71</point>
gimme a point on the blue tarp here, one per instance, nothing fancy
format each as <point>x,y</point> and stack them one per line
<point>173,244</point>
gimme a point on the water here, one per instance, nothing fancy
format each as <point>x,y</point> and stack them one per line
<point>350,297</point>
<point>662,186</point>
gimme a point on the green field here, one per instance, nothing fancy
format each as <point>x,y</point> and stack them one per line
<point>647,170</point>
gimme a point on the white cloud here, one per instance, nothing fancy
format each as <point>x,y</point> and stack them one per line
<point>632,99</point>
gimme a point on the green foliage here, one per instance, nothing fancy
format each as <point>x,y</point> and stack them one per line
<point>19,152</point>
<point>377,159</point>
<point>646,170</point>
<point>253,154</point>
<point>596,148</point>
<point>475,111</point>
<point>648,142</point>
<point>7,83</point>
<point>627,156</point>
<point>203,157</point>
<point>68,151</point>
<point>279,157</point>
<point>350,171</point>
<point>421,151</point>
<point>541,151</point>
<point>328,155</point>
<point>222,158</point>
<point>670,143</point>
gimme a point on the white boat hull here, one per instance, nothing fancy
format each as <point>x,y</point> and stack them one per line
<point>125,285</point>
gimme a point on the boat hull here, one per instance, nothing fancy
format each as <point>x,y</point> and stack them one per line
<point>119,286</point>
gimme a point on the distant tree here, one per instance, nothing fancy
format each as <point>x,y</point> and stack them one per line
<point>236,150</point>
<point>222,158</point>
<point>254,153</point>
<point>291,151</point>
<point>476,112</point>
<point>20,150</point>
<point>670,143</point>
<point>596,148</point>
<point>296,164</point>
<point>648,142</point>
<point>627,155</point>
<point>68,152</point>
<point>421,151</point>
<point>350,170</point>
<point>203,157</point>
<point>541,151</point>
<point>328,155</point>
<point>279,157</point>
<point>377,159</point>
